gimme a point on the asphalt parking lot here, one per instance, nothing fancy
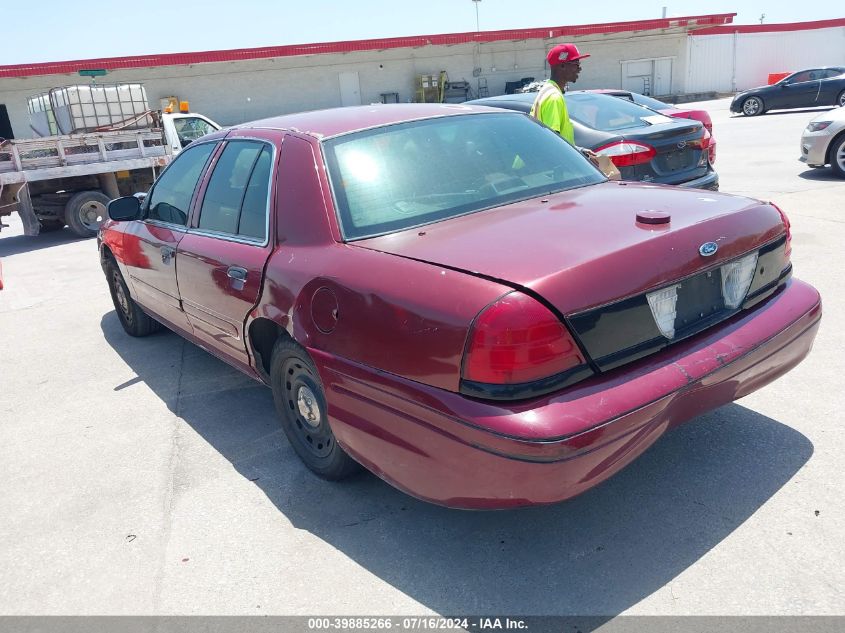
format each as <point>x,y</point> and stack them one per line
<point>143,476</point>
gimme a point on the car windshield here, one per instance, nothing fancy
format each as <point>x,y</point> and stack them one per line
<point>401,176</point>
<point>609,114</point>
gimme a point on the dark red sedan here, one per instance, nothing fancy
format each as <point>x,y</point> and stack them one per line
<point>455,298</point>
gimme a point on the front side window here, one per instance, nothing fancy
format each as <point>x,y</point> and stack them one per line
<point>189,129</point>
<point>170,199</point>
<point>399,176</point>
<point>804,75</point>
<point>235,200</point>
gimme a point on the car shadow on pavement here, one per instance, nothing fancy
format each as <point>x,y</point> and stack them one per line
<point>816,110</point>
<point>822,174</point>
<point>17,244</point>
<point>598,554</point>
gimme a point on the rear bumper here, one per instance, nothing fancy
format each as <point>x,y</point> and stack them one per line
<point>455,451</point>
<point>709,181</point>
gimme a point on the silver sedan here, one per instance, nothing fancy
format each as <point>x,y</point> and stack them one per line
<point>823,141</point>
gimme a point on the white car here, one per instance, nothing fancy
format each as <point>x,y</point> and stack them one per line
<point>823,141</point>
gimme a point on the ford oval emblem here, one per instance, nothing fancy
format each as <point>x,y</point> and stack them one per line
<point>708,248</point>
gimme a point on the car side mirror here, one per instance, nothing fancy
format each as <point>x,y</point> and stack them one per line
<point>126,208</point>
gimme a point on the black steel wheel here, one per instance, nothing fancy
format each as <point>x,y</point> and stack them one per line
<point>134,320</point>
<point>301,405</point>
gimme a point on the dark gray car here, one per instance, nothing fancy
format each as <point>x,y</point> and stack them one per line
<point>804,89</point>
<point>645,145</point>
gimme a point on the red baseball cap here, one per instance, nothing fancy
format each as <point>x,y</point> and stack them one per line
<point>563,53</point>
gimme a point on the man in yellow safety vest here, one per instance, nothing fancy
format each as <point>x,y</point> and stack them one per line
<point>549,106</point>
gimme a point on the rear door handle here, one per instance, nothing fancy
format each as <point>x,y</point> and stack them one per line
<point>167,254</point>
<point>236,272</point>
<point>237,277</point>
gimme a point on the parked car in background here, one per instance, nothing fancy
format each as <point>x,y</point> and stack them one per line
<point>646,146</point>
<point>823,141</point>
<point>804,89</point>
<point>454,297</point>
<point>668,110</point>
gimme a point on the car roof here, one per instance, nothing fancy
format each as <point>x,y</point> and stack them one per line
<point>803,70</point>
<point>520,99</point>
<point>337,121</point>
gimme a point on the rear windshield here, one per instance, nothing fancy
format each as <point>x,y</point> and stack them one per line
<point>648,102</point>
<point>400,176</point>
<point>609,114</point>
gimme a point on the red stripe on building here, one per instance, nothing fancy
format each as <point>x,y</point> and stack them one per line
<point>242,54</point>
<point>771,28</point>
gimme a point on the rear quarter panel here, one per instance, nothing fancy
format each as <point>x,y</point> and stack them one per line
<point>392,313</point>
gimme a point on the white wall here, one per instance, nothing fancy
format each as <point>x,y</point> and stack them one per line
<point>233,92</point>
<point>740,61</point>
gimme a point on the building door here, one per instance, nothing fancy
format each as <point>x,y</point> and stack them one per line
<point>662,77</point>
<point>5,124</point>
<point>637,76</point>
<point>350,89</point>
<point>648,76</point>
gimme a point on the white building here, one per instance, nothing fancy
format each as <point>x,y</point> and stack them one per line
<point>668,56</point>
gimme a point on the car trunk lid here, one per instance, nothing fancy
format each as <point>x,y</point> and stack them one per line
<point>585,248</point>
<point>680,155</point>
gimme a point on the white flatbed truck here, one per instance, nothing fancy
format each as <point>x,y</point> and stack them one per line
<point>69,179</point>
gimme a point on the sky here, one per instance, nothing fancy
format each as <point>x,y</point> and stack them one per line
<point>57,30</point>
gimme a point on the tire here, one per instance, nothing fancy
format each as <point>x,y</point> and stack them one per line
<point>753,106</point>
<point>301,405</point>
<point>134,320</point>
<point>840,100</point>
<point>86,211</point>
<point>837,156</point>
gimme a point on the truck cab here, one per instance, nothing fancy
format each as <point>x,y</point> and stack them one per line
<point>183,128</point>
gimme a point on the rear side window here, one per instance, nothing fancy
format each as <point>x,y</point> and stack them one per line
<point>609,114</point>
<point>253,221</point>
<point>236,198</point>
<point>648,102</point>
<point>170,199</point>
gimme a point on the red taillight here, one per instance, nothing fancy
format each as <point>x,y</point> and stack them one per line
<point>627,153</point>
<point>701,143</point>
<point>706,142</point>
<point>518,340</point>
<point>786,224</point>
